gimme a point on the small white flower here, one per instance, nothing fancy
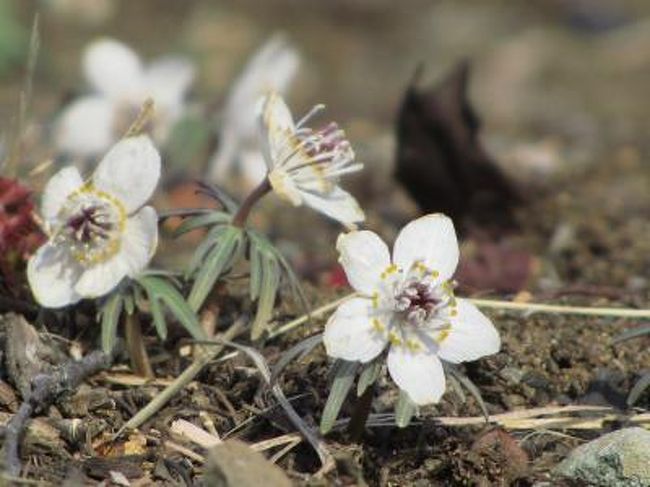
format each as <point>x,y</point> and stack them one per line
<point>408,306</point>
<point>121,84</point>
<point>99,230</point>
<point>272,68</point>
<point>304,164</point>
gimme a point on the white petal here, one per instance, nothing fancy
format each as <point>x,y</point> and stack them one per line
<point>276,125</point>
<point>472,335</point>
<point>419,374</point>
<point>137,247</point>
<point>349,333</point>
<point>87,127</point>
<point>270,69</point>
<point>337,204</point>
<point>364,256</point>
<point>431,240</point>
<point>167,81</point>
<point>52,273</point>
<point>130,171</point>
<point>113,69</point>
<point>253,167</point>
<point>57,189</point>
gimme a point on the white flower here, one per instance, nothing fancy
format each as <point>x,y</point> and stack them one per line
<point>272,68</point>
<point>305,165</point>
<point>121,84</point>
<point>99,230</point>
<point>408,306</point>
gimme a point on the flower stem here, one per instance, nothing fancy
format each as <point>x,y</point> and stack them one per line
<point>135,346</point>
<point>239,220</point>
<point>362,407</point>
<point>561,309</point>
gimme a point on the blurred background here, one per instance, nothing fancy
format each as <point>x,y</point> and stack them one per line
<point>560,87</point>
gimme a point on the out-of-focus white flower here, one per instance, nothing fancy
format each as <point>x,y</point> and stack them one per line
<point>304,165</point>
<point>121,84</point>
<point>272,68</point>
<point>99,230</point>
<point>408,306</point>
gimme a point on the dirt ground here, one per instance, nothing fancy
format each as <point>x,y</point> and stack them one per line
<point>562,93</point>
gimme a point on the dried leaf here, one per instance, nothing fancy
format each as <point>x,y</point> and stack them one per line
<point>441,161</point>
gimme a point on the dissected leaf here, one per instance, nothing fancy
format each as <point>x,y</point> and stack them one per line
<point>195,222</point>
<point>227,248</point>
<point>630,334</point>
<point>641,385</point>
<point>159,291</point>
<point>266,268</point>
<point>202,250</point>
<point>341,385</point>
<point>111,311</point>
<point>270,282</point>
<point>369,375</point>
<point>404,410</point>
<point>298,351</point>
<point>469,385</point>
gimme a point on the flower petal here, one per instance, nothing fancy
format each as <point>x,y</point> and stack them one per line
<point>52,273</point>
<point>57,190</point>
<point>276,126</point>
<point>430,240</point>
<point>167,81</point>
<point>114,69</point>
<point>337,204</point>
<point>349,334</point>
<point>419,374</point>
<point>472,335</point>
<point>137,247</point>
<point>130,171</point>
<point>86,127</point>
<point>364,256</point>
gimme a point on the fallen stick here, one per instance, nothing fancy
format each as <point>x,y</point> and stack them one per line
<point>46,388</point>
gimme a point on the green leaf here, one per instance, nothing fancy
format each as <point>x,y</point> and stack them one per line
<point>630,334</point>
<point>297,352</point>
<point>343,380</point>
<point>202,250</point>
<point>220,258</point>
<point>404,410</point>
<point>111,311</point>
<point>189,224</point>
<point>641,385</point>
<point>160,291</point>
<point>467,384</point>
<point>268,290</point>
<point>369,375</point>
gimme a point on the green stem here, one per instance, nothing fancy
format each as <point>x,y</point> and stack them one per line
<point>359,418</point>
<point>136,349</point>
<point>239,220</point>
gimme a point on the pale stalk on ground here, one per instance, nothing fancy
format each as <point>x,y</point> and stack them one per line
<point>484,303</point>
<point>201,360</point>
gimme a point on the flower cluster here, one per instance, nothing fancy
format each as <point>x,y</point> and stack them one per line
<point>407,305</point>
<point>120,84</point>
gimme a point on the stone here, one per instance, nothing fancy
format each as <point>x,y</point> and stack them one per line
<point>621,458</point>
<point>234,464</point>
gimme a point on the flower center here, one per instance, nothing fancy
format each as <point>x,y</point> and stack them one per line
<point>416,302</point>
<point>91,225</point>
